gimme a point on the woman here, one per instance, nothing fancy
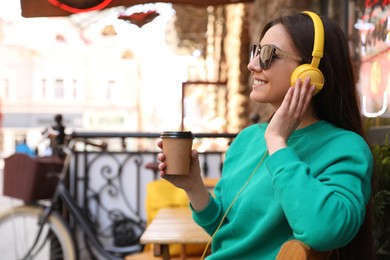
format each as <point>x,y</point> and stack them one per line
<point>306,174</point>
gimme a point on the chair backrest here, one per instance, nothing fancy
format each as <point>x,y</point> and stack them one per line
<point>297,250</point>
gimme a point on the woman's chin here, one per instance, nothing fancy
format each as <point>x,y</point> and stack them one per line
<point>257,97</point>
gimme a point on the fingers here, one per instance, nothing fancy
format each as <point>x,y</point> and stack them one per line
<point>295,101</point>
<point>194,157</point>
<point>161,165</point>
<point>298,97</point>
<point>286,104</point>
<point>161,158</point>
<point>194,154</point>
<point>306,94</point>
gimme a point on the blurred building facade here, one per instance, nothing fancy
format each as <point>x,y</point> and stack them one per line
<point>114,76</point>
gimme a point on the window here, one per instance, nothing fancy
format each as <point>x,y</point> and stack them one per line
<point>7,91</point>
<point>74,88</point>
<point>5,88</point>
<point>204,106</point>
<point>43,88</point>
<point>110,89</point>
<point>59,89</point>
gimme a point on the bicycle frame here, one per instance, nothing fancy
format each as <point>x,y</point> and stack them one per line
<point>82,221</point>
<point>62,195</point>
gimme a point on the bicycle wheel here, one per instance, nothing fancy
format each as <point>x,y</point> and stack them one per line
<point>18,229</point>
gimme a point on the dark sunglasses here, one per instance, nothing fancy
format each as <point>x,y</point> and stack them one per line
<point>267,53</point>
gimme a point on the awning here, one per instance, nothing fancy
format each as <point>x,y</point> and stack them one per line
<point>50,8</point>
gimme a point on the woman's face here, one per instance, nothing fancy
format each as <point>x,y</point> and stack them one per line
<point>271,85</point>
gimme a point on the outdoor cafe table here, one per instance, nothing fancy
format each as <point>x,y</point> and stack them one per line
<point>173,226</point>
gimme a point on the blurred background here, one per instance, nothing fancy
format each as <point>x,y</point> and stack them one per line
<point>156,66</point>
<point>130,69</point>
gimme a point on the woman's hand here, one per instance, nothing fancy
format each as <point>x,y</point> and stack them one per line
<point>185,182</point>
<point>192,184</point>
<point>289,115</point>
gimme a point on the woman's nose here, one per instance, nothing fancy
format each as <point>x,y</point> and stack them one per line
<point>254,64</point>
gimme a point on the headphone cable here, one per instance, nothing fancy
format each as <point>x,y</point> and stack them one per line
<point>231,204</point>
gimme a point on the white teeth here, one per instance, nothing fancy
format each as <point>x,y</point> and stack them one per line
<point>259,82</point>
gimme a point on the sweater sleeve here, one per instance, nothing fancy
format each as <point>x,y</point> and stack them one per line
<point>325,209</point>
<point>209,217</point>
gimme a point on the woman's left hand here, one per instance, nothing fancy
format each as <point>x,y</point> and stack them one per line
<point>289,115</point>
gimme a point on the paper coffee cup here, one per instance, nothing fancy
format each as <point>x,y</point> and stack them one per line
<point>177,148</point>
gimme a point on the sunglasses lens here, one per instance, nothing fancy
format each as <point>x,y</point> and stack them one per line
<point>266,55</point>
<point>253,52</point>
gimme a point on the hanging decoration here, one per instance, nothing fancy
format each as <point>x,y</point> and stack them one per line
<point>79,8</point>
<point>139,18</point>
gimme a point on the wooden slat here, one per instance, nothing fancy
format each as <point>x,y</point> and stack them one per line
<point>297,250</point>
<point>174,225</point>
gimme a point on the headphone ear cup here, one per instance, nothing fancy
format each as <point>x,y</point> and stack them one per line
<point>306,70</point>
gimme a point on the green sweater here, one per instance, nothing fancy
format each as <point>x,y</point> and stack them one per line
<point>315,190</point>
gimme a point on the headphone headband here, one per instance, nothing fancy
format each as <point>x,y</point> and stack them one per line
<point>319,38</point>
<point>311,70</point>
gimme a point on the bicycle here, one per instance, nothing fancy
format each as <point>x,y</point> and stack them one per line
<point>39,230</point>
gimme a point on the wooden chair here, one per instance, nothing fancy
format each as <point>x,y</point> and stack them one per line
<point>148,255</point>
<point>297,250</point>
<point>291,250</point>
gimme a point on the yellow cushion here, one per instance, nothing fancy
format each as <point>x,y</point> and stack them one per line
<point>163,194</point>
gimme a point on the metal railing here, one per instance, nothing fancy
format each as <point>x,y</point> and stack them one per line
<point>110,184</point>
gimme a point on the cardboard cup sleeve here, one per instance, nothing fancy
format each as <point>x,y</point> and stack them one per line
<point>177,148</point>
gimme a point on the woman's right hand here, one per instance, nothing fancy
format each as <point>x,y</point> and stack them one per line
<point>186,182</point>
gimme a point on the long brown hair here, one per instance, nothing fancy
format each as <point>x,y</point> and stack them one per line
<point>337,102</point>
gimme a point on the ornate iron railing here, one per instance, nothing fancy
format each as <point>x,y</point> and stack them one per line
<point>110,184</point>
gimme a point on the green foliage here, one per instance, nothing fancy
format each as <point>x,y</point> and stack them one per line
<point>382,166</point>
<point>382,198</point>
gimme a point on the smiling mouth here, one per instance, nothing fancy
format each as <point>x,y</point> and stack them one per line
<point>259,82</point>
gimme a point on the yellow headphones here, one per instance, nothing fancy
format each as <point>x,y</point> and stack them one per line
<point>311,70</point>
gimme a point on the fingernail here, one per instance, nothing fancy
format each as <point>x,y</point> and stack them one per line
<point>307,79</point>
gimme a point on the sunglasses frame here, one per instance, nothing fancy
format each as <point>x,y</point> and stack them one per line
<point>276,52</point>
